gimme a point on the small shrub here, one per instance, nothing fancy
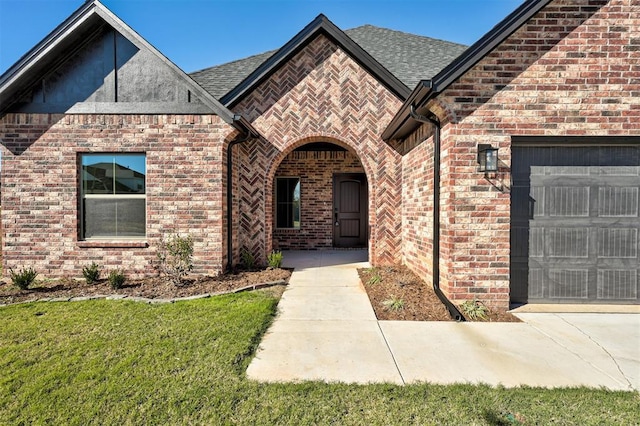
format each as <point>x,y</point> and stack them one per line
<point>393,304</point>
<point>24,278</point>
<point>116,279</point>
<point>248,259</point>
<point>91,273</point>
<point>474,309</point>
<point>375,277</point>
<point>275,259</point>
<point>176,257</point>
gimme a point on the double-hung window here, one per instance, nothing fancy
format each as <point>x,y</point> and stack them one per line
<point>113,196</point>
<point>288,202</point>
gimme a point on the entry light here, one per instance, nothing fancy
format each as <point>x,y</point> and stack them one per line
<point>487,158</point>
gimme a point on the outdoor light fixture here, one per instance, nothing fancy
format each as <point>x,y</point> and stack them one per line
<point>487,158</point>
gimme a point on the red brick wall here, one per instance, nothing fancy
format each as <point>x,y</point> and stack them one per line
<point>40,188</point>
<point>571,71</point>
<point>417,202</point>
<point>315,170</point>
<point>321,94</point>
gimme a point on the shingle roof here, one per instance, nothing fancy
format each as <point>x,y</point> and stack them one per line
<point>407,56</point>
<point>220,79</point>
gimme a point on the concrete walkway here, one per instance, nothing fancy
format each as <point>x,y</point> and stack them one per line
<point>326,330</point>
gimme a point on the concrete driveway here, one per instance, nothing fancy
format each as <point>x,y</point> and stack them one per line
<point>326,330</point>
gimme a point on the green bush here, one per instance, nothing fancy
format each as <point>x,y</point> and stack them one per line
<point>474,309</point>
<point>116,279</point>
<point>91,273</point>
<point>374,275</point>
<point>176,257</point>
<point>393,304</point>
<point>24,278</point>
<point>248,259</point>
<point>275,259</point>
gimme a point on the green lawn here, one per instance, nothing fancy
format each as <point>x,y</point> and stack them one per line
<point>114,362</point>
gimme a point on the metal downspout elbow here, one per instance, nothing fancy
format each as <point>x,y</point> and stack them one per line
<point>435,267</point>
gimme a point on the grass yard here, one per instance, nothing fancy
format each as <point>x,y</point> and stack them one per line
<point>116,362</point>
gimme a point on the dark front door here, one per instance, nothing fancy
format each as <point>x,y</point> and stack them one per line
<point>350,210</point>
<point>575,224</point>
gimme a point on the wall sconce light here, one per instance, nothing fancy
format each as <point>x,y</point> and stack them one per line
<point>487,158</point>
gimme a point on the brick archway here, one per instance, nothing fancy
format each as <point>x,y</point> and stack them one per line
<point>289,148</point>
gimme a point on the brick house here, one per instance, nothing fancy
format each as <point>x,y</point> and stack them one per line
<point>340,139</point>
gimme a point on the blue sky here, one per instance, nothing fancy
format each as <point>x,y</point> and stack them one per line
<point>196,34</point>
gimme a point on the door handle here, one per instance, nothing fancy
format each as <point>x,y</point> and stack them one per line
<point>336,222</point>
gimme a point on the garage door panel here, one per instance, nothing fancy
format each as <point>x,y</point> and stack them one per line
<point>620,201</point>
<point>568,201</point>
<point>566,242</point>
<point>568,283</point>
<point>537,283</point>
<point>616,284</point>
<point>575,224</point>
<point>618,243</point>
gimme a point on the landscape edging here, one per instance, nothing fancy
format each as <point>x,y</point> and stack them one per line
<point>148,300</point>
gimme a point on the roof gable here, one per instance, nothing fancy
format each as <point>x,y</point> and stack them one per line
<point>320,25</point>
<point>409,57</point>
<point>402,124</point>
<point>77,68</point>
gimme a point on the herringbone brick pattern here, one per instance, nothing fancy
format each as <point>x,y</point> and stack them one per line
<point>320,94</point>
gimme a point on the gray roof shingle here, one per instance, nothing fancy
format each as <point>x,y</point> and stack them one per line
<point>409,57</point>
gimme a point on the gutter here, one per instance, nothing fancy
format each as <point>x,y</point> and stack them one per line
<point>435,267</point>
<point>248,134</point>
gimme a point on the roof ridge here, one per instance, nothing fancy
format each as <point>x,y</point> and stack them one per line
<point>406,34</point>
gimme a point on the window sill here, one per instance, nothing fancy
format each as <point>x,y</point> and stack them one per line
<point>112,244</point>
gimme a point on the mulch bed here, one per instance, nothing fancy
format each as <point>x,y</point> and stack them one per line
<point>395,286</point>
<point>149,288</point>
<point>397,283</point>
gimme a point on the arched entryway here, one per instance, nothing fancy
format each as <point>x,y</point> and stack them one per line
<point>319,198</point>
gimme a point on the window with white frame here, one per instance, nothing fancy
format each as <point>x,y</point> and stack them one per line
<point>288,202</point>
<point>113,196</point>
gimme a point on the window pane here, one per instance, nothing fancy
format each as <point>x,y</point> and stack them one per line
<point>130,174</point>
<point>113,173</point>
<point>114,217</point>
<point>288,203</point>
<point>97,174</point>
<point>99,218</point>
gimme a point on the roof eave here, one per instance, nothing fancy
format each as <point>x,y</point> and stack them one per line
<point>52,40</point>
<point>321,24</point>
<point>401,124</point>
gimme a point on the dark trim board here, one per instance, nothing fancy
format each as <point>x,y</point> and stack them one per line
<point>573,140</point>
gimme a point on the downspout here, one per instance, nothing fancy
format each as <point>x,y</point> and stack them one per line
<point>435,267</point>
<point>233,143</point>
